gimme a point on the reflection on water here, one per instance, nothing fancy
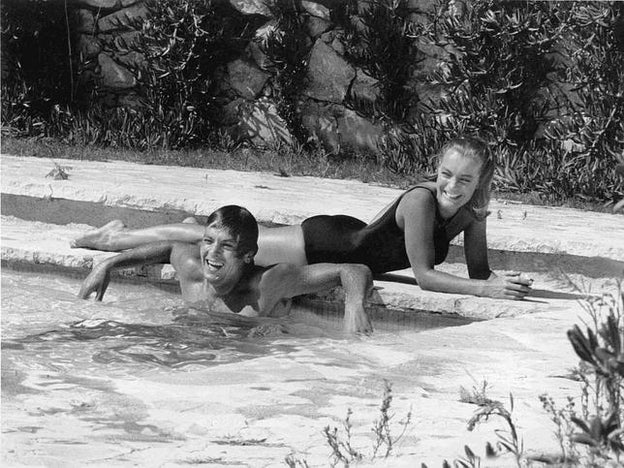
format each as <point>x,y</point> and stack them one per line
<point>44,325</point>
<point>141,328</point>
<point>167,345</point>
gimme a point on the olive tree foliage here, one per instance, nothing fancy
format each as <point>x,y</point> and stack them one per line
<point>185,45</point>
<point>543,82</point>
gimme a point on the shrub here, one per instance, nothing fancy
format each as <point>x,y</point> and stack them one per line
<point>37,72</point>
<point>380,44</point>
<point>185,45</point>
<point>542,81</point>
<point>528,76</point>
<point>287,48</point>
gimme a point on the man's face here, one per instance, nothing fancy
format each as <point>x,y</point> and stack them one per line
<point>221,262</point>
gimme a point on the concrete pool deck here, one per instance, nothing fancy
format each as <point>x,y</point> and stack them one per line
<point>41,215</point>
<point>524,350</point>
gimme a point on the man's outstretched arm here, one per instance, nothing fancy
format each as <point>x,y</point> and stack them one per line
<point>286,280</point>
<point>98,279</point>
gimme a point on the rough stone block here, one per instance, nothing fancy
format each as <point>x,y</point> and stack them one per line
<point>358,133</point>
<point>88,46</point>
<point>316,9</point>
<point>254,51</point>
<point>252,7</point>
<point>329,75</point>
<point>338,46</point>
<point>261,123</point>
<point>85,21</point>
<point>114,75</point>
<point>105,4</point>
<point>131,59</point>
<point>121,41</point>
<point>246,79</point>
<point>365,87</point>
<point>320,121</point>
<point>122,17</point>
<point>422,5</point>
<point>317,26</point>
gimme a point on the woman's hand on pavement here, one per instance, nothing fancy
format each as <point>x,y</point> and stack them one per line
<point>514,286</point>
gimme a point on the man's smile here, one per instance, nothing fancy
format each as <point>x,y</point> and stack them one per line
<point>212,265</point>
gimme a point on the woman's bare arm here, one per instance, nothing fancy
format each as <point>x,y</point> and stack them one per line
<point>416,215</point>
<point>475,250</point>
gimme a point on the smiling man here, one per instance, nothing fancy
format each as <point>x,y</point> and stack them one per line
<point>219,273</point>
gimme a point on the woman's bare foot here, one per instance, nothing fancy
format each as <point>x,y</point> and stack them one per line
<point>99,239</point>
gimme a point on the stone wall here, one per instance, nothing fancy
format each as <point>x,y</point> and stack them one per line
<point>331,81</point>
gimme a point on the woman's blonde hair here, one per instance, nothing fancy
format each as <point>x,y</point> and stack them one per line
<point>478,149</point>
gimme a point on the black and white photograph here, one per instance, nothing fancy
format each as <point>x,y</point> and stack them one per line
<point>312,233</point>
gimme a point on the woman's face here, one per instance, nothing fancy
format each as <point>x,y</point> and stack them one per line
<point>458,178</point>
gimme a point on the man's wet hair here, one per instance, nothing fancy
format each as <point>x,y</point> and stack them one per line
<point>240,223</point>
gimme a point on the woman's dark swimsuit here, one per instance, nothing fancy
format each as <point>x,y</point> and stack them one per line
<point>379,245</point>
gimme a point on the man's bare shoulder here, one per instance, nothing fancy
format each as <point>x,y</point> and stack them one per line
<point>186,260</point>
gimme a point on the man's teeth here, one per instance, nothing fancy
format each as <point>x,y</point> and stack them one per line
<point>214,265</point>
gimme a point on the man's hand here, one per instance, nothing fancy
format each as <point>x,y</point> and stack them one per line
<point>149,254</point>
<point>97,282</point>
<point>356,319</point>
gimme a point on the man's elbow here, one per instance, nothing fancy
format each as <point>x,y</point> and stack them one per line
<point>358,270</point>
<point>425,280</point>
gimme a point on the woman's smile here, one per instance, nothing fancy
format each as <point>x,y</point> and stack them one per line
<point>458,178</point>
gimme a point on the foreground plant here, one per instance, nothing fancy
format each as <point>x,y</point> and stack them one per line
<point>601,350</point>
<point>562,418</point>
<point>345,453</point>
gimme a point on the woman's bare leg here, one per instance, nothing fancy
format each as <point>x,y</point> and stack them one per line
<point>275,245</point>
<point>280,245</point>
<point>114,236</point>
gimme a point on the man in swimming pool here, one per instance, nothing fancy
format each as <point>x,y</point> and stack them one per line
<point>218,273</point>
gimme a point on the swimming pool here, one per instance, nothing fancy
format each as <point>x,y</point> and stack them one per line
<point>87,383</point>
<point>142,326</point>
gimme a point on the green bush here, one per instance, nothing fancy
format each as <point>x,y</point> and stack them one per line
<point>37,78</point>
<point>542,81</point>
<point>380,44</point>
<point>287,50</point>
<point>176,103</point>
<point>186,44</point>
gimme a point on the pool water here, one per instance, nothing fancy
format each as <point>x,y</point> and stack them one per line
<point>44,325</point>
<point>86,382</point>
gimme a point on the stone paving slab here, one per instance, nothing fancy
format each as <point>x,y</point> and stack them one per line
<point>288,200</point>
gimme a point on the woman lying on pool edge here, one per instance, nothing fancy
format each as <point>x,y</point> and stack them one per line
<point>413,231</point>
